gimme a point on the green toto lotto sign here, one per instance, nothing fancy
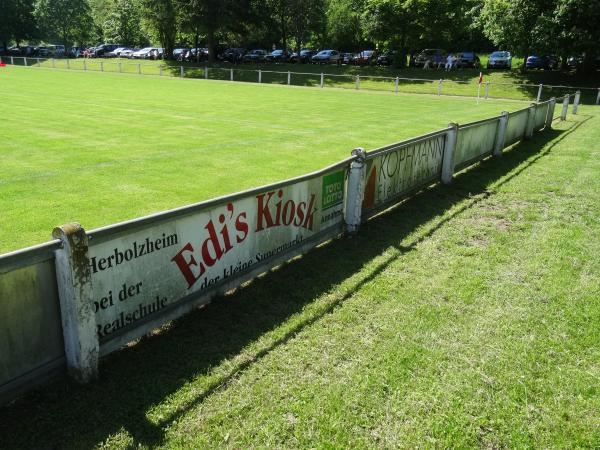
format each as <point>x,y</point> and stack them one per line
<point>138,274</point>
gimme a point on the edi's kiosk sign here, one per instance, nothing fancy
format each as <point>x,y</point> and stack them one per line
<point>140,273</point>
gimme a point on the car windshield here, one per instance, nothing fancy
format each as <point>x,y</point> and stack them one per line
<point>367,52</point>
<point>325,52</point>
<point>147,49</point>
<point>500,55</point>
<point>277,52</point>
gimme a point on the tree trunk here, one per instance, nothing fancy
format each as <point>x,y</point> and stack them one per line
<point>210,42</point>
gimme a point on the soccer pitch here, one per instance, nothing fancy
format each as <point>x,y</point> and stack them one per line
<point>100,148</point>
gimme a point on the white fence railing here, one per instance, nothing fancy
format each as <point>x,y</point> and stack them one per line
<point>85,294</point>
<point>537,92</point>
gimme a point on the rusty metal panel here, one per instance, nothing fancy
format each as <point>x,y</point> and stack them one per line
<point>475,142</point>
<point>140,276</point>
<point>515,130</point>
<point>31,340</point>
<point>397,170</point>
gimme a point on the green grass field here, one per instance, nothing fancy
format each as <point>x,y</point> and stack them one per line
<point>467,317</point>
<point>99,148</point>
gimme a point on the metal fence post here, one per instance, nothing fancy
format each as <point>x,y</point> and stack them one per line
<point>73,276</point>
<point>576,102</point>
<point>449,147</point>
<point>355,192</point>
<point>487,89</point>
<point>181,74</point>
<point>289,80</point>
<point>231,74</point>
<point>597,98</point>
<point>397,83</point>
<point>357,82</point>
<point>501,134</point>
<point>259,76</point>
<point>206,72</point>
<point>440,87</point>
<point>539,95</point>
<point>550,115</point>
<point>565,108</point>
<point>530,121</point>
<point>322,79</point>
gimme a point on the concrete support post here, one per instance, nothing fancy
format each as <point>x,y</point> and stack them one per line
<point>84,64</point>
<point>597,98</point>
<point>139,69</point>
<point>322,79</point>
<point>160,71</point>
<point>539,94</point>
<point>355,192</point>
<point>206,72</point>
<point>565,108</point>
<point>449,147</point>
<point>440,87</point>
<point>68,64</point>
<point>38,62</point>
<point>120,67</point>
<point>231,74</point>
<point>576,102</point>
<point>259,76</point>
<point>12,62</point>
<point>181,71</point>
<point>53,63</point>
<point>73,275</point>
<point>500,140</point>
<point>550,115</point>
<point>289,80</point>
<point>397,84</point>
<point>487,89</point>
<point>25,61</point>
<point>530,121</point>
<point>357,84</point>
<point>101,66</point>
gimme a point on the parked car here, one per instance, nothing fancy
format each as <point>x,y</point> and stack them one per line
<point>346,58</point>
<point>387,58</point>
<point>277,56</point>
<point>43,52</point>
<point>544,62</point>
<point>232,55</point>
<point>365,58</point>
<point>179,53</point>
<point>105,49</point>
<point>500,60</point>
<point>326,56</point>
<point>257,55</point>
<point>116,53</point>
<point>26,50</point>
<point>435,56</point>
<point>468,59</point>
<point>305,56</point>
<point>144,53</point>
<point>128,53</point>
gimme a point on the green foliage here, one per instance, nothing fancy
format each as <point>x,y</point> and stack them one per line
<point>122,24</point>
<point>69,21</point>
<point>16,21</point>
<point>160,20</point>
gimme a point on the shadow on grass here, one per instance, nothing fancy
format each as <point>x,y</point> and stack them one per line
<point>132,381</point>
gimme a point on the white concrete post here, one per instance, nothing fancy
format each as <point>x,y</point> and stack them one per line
<point>101,66</point>
<point>84,64</point>
<point>355,192</point>
<point>565,108</point>
<point>38,62</point>
<point>550,115</point>
<point>440,87</point>
<point>73,276</point>
<point>500,140</point>
<point>259,76</point>
<point>597,98</point>
<point>576,102</point>
<point>397,83</point>
<point>139,69</point>
<point>68,64</point>
<point>530,121</point>
<point>206,72</point>
<point>12,62</point>
<point>231,74</point>
<point>487,89</point>
<point>289,80</point>
<point>322,80</point>
<point>120,67</point>
<point>449,147</point>
<point>160,71</point>
<point>25,61</point>
<point>539,95</point>
<point>357,82</point>
<point>181,71</point>
<point>53,63</point>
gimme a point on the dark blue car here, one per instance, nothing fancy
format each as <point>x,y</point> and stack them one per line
<point>541,62</point>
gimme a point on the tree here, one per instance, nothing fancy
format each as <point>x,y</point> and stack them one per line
<point>160,18</point>
<point>16,21</point>
<point>67,20</point>
<point>306,16</point>
<point>345,24</point>
<point>123,24</point>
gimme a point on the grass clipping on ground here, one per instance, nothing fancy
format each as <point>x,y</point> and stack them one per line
<point>468,317</point>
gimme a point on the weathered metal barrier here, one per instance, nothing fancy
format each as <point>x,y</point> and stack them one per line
<point>66,303</point>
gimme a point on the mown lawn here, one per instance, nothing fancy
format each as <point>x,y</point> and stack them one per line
<point>99,148</point>
<point>467,317</point>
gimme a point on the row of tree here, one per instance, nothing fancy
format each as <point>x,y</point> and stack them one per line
<point>563,27</point>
